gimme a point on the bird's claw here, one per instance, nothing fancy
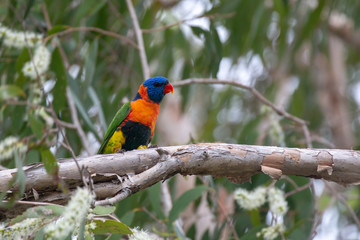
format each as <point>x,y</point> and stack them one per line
<point>121,151</point>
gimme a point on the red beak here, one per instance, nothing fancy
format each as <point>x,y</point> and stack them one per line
<point>168,88</point>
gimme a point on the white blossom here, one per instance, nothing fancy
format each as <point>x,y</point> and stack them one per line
<point>2,230</point>
<point>9,146</point>
<point>74,213</point>
<point>140,234</point>
<point>277,202</point>
<point>271,232</point>
<point>44,115</point>
<point>39,64</point>
<point>88,233</point>
<point>250,200</point>
<point>22,230</point>
<point>19,39</point>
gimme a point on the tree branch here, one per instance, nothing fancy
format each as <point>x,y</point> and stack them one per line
<point>144,168</point>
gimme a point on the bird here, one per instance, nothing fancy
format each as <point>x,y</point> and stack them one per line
<point>134,124</point>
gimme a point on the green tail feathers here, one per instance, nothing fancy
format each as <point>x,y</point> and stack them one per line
<point>117,120</point>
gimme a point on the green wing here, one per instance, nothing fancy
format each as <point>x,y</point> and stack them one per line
<point>119,117</point>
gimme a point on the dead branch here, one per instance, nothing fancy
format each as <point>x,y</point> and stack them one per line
<point>117,176</point>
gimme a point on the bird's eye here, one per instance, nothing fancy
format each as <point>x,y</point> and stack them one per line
<point>157,84</point>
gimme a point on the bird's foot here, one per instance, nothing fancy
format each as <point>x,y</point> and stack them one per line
<point>121,151</point>
<point>153,146</point>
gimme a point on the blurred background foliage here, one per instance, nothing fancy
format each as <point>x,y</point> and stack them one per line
<point>301,55</point>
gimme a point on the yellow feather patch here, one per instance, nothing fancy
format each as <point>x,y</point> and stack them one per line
<point>142,147</point>
<point>115,142</point>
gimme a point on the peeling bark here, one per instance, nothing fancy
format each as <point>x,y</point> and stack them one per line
<point>147,167</point>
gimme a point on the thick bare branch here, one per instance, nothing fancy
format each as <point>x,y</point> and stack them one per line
<point>147,167</point>
<point>117,176</point>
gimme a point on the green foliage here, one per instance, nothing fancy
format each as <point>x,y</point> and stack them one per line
<point>111,226</point>
<point>49,161</point>
<point>49,211</point>
<point>184,200</point>
<point>10,91</point>
<point>101,210</point>
<point>58,68</point>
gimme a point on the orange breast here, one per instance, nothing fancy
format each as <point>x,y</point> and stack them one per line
<point>144,112</point>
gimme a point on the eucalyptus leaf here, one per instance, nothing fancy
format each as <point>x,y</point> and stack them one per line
<point>184,200</point>
<point>56,29</point>
<point>49,211</point>
<point>111,226</point>
<point>49,161</point>
<point>59,91</point>
<point>36,125</point>
<point>102,210</point>
<point>10,91</point>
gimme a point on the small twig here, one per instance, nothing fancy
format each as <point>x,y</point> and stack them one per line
<point>106,215</point>
<point>140,40</point>
<point>343,201</point>
<point>76,122</point>
<point>151,215</point>
<point>228,219</point>
<point>226,15</point>
<point>314,137</point>
<point>292,182</point>
<point>25,103</point>
<point>118,197</point>
<point>317,214</point>
<point>322,140</point>
<point>257,94</point>
<point>67,125</point>
<point>298,189</point>
<point>307,134</point>
<point>33,203</point>
<point>92,29</point>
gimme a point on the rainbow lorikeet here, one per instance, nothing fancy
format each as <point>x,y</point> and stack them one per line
<point>134,124</point>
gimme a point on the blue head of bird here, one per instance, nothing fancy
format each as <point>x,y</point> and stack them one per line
<point>156,88</point>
